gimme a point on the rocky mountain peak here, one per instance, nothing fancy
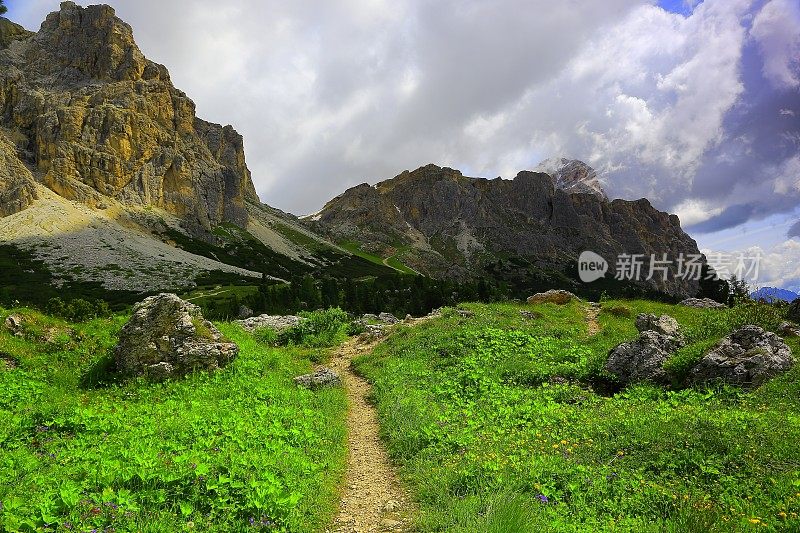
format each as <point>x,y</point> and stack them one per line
<point>97,122</point>
<point>572,175</point>
<point>91,40</point>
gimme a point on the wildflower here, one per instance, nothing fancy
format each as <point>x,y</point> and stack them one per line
<point>190,525</point>
<point>542,498</point>
<point>782,515</point>
<point>755,521</point>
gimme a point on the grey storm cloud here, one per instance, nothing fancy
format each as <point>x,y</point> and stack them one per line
<point>699,112</point>
<point>794,231</point>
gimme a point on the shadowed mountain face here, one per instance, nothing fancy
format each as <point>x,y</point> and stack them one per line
<point>446,224</point>
<point>97,122</point>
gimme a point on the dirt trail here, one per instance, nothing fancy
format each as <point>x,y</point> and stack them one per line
<point>373,499</point>
<point>592,324</point>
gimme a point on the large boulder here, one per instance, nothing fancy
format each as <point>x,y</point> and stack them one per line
<point>702,303</point>
<point>643,359</point>
<point>554,296</point>
<point>793,313</point>
<point>276,322</point>
<point>168,337</point>
<point>748,357</point>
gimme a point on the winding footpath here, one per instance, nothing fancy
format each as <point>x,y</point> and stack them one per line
<point>374,499</point>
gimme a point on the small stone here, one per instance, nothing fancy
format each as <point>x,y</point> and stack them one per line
<point>322,377</point>
<point>388,318</point>
<point>277,322</point>
<point>664,324</point>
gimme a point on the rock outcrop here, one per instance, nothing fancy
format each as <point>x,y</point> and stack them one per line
<point>643,359</point>
<point>17,186</point>
<point>702,303</point>
<point>747,357</point>
<point>97,122</point>
<point>445,224</point>
<point>555,296</point>
<point>167,337</point>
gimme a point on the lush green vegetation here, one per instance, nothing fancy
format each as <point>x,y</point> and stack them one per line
<point>506,423</point>
<point>321,329</point>
<point>242,449</point>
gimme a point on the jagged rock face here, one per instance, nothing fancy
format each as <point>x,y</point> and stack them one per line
<point>572,175</point>
<point>95,120</point>
<point>453,223</point>
<point>17,187</point>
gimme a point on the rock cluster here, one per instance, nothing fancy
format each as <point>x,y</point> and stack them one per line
<point>167,337</point>
<point>747,357</point>
<point>276,322</point>
<point>322,377</point>
<point>554,296</point>
<point>643,359</point>
<point>702,303</point>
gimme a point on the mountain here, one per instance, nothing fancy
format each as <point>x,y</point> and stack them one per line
<point>108,177</point>
<point>773,294</point>
<point>572,175</point>
<point>445,224</point>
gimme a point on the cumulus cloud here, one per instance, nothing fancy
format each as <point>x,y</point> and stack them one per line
<point>776,29</point>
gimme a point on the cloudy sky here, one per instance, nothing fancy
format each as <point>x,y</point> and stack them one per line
<point>692,104</point>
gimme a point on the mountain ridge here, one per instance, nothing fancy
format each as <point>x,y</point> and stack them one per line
<point>446,224</point>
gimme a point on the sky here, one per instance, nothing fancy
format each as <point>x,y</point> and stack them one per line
<point>692,104</point>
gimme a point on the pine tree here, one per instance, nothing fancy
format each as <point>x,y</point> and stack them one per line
<point>3,8</point>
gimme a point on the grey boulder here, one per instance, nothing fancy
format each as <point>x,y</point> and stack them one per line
<point>702,303</point>
<point>168,337</point>
<point>322,377</point>
<point>747,357</point>
<point>643,359</point>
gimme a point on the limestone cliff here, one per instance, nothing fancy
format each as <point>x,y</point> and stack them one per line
<point>97,122</point>
<point>447,224</point>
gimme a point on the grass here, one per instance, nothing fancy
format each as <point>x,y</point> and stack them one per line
<point>392,262</point>
<point>500,423</point>
<point>242,449</point>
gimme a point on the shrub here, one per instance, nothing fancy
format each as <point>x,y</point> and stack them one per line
<point>619,310</point>
<point>320,329</point>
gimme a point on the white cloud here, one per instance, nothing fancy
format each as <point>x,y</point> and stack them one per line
<point>787,178</point>
<point>693,211</point>
<point>776,29</point>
